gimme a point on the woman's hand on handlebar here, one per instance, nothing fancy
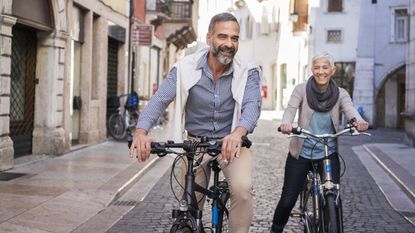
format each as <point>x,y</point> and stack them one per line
<point>285,128</point>
<point>361,126</point>
<point>141,146</point>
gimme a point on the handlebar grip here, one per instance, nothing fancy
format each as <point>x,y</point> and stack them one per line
<point>294,130</point>
<point>158,148</point>
<point>246,142</point>
<point>129,141</point>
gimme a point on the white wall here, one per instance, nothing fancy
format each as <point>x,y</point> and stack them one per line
<point>320,20</point>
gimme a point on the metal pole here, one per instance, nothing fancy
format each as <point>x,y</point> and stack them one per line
<point>130,19</point>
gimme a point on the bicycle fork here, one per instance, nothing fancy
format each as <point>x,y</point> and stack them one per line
<point>188,207</point>
<point>219,198</point>
<point>315,187</point>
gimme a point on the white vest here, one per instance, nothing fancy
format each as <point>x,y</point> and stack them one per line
<point>188,76</point>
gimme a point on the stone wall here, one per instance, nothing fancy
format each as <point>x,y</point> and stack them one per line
<point>410,80</point>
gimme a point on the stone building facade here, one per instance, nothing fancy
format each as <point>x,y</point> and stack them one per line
<point>379,87</point>
<point>409,113</point>
<point>53,54</point>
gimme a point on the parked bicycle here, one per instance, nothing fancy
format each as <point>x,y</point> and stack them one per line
<point>188,217</point>
<point>123,121</point>
<point>320,202</point>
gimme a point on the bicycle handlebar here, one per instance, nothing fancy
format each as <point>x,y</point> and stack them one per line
<point>213,148</point>
<point>303,133</point>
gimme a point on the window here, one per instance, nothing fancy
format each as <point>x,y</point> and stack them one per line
<point>399,24</point>
<point>335,6</point>
<point>334,36</point>
<point>264,26</point>
<point>344,76</point>
<point>78,16</point>
<point>283,97</point>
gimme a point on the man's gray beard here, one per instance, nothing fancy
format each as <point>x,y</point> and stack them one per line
<point>223,60</point>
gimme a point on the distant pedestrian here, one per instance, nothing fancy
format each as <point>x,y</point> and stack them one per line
<point>217,95</point>
<point>319,101</point>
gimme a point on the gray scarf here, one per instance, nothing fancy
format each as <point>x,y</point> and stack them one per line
<point>321,101</point>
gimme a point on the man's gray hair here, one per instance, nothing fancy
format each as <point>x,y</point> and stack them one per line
<point>221,17</point>
<point>325,55</point>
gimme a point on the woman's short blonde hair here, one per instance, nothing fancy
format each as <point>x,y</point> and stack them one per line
<point>325,55</point>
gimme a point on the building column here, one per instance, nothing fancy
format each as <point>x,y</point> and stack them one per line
<point>409,113</point>
<point>391,103</point>
<point>94,80</point>
<point>363,93</point>
<point>48,133</point>
<point>6,144</point>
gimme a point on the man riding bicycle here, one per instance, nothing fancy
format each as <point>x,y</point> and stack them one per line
<point>217,96</point>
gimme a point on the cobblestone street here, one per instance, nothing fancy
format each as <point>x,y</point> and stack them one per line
<point>365,207</point>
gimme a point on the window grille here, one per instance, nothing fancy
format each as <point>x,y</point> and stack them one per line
<point>334,36</point>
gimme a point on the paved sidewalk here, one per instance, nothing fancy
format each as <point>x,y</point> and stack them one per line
<point>61,194</point>
<point>392,166</point>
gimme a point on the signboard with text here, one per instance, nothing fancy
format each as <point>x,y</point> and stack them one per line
<point>142,34</point>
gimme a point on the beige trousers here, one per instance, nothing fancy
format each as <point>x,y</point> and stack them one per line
<point>238,174</point>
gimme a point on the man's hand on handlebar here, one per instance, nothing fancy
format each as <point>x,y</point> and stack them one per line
<point>141,146</point>
<point>231,144</point>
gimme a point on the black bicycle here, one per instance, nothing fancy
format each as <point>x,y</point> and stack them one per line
<point>188,217</point>
<point>123,121</point>
<point>320,202</point>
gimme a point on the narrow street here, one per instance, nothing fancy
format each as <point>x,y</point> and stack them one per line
<point>365,207</point>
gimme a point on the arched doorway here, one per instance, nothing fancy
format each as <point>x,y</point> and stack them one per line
<point>390,100</point>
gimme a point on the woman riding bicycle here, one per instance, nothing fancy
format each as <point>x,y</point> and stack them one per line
<point>320,102</point>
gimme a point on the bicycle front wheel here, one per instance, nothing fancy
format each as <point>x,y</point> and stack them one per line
<point>308,224</point>
<point>180,229</point>
<point>116,127</point>
<point>331,215</point>
<point>308,209</point>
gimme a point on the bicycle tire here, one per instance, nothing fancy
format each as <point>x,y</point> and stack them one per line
<point>331,215</point>
<point>307,205</point>
<point>180,229</point>
<point>340,216</point>
<point>116,127</point>
<point>308,224</point>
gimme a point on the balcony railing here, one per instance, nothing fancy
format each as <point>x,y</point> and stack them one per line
<point>175,10</point>
<point>181,9</point>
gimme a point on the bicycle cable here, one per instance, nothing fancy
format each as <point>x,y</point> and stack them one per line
<point>173,175</point>
<point>181,156</point>
<point>341,161</point>
<point>344,165</point>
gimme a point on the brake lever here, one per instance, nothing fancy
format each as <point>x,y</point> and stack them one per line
<point>297,136</point>
<point>360,133</point>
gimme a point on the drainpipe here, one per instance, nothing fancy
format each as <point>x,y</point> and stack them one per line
<point>130,23</point>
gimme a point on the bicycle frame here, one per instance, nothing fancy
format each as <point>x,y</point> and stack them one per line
<point>188,210</point>
<point>324,190</point>
<point>189,202</point>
